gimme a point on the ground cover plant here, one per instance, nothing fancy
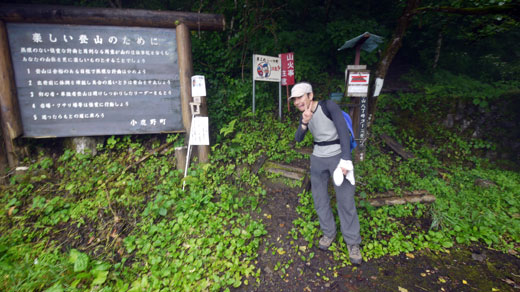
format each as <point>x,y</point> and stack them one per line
<point>94,223</point>
<point>121,221</point>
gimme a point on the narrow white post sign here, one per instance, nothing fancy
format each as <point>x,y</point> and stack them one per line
<point>199,134</point>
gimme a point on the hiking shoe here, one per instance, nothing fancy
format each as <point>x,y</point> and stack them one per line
<point>325,242</point>
<point>355,254</point>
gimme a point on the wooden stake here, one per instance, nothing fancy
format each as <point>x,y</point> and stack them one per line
<point>180,156</point>
<point>185,73</point>
<point>10,114</point>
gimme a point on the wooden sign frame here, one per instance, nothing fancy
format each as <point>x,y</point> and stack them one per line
<point>181,21</point>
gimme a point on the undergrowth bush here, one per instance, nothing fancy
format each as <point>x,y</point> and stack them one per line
<point>114,222</point>
<point>127,220</point>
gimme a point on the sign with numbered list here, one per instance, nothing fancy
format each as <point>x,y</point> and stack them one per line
<point>199,134</point>
<point>82,80</point>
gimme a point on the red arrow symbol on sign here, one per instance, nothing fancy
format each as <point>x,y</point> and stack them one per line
<point>358,79</point>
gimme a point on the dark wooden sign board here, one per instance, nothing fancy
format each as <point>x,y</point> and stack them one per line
<point>78,80</point>
<point>113,104</point>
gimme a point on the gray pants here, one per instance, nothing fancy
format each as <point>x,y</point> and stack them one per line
<point>321,170</point>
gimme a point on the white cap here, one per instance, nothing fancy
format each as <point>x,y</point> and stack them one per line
<point>300,89</point>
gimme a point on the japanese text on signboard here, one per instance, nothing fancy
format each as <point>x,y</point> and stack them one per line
<point>358,83</point>
<point>363,120</point>
<point>266,68</point>
<point>95,80</point>
<point>287,68</point>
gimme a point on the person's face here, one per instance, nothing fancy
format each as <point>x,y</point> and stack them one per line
<point>302,102</point>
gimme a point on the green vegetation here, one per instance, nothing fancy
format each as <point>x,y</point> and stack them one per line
<point>127,220</point>
<point>114,222</point>
<point>136,228</point>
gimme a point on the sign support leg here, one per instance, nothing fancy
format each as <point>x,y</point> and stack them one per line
<point>280,100</point>
<point>188,152</point>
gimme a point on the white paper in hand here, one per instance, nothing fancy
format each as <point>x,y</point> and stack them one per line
<point>350,177</point>
<point>338,176</point>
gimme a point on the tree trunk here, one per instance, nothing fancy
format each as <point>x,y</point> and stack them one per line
<point>437,50</point>
<point>392,49</point>
<point>511,9</point>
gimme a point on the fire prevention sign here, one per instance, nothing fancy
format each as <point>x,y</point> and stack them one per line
<point>267,68</point>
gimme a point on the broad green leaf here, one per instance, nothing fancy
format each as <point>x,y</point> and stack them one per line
<point>81,263</point>
<point>100,277</point>
<point>55,288</point>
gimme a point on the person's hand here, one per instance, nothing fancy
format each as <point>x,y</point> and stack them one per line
<point>307,114</point>
<point>345,166</point>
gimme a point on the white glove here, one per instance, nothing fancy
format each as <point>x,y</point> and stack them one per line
<point>338,173</point>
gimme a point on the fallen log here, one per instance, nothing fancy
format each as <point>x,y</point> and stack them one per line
<point>396,147</point>
<point>288,171</point>
<point>109,16</point>
<point>306,185</point>
<point>390,199</point>
<point>258,164</point>
<point>304,150</point>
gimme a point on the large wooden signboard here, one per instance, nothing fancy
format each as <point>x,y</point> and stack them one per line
<point>76,80</point>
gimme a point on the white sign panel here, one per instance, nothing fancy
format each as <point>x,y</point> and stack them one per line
<point>354,68</point>
<point>199,134</point>
<point>198,86</point>
<point>358,83</point>
<point>267,68</point>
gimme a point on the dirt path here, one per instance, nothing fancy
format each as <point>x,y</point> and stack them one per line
<point>282,269</point>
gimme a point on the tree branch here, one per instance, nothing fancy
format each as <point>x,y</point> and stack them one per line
<point>512,10</point>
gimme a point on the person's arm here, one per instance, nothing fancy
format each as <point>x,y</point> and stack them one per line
<point>341,127</point>
<point>300,132</point>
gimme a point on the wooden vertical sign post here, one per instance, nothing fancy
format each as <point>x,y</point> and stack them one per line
<point>357,87</point>
<point>186,72</point>
<point>357,79</point>
<point>10,116</point>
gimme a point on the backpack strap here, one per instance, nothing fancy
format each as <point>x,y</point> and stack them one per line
<point>348,121</point>
<point>324,108</point>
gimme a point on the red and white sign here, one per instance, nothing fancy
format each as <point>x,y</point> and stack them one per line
<point>287,68</point>
<point>358,78</point>
<point>266,68</point>
<point>358,83</point>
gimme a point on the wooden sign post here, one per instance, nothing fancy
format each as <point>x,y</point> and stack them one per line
<point>358,87</point>
<point>10,115</point>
